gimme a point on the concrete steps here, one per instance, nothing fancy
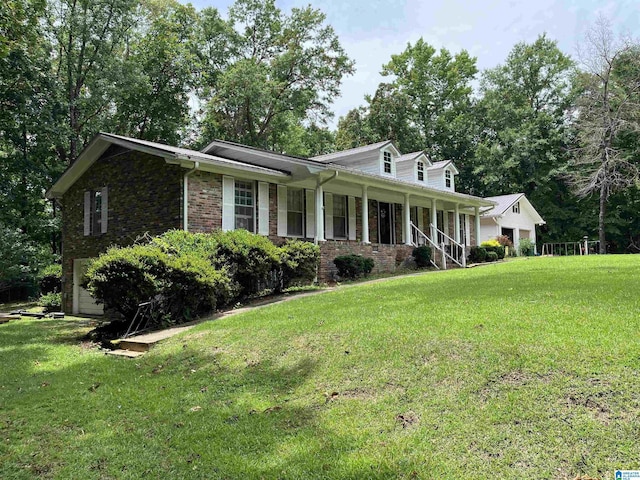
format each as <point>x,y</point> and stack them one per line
<point>133,347</point>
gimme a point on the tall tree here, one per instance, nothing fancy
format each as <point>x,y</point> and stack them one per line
<point>277,66</point>
<point>89,38</point>
<point>607,110</point>
<point>436,85</point>
<point>522,119</point>
<point>152,95</point>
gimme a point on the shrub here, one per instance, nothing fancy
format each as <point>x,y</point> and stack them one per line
<point>187,285</point>
<point>51,279</point>
<point>504,240</point>
<point>422,256</point>
<point>492,257</point>
<point>494,246</point>
<point>477,254</point>
<point>353,266</point>
<point>527,247</point>
<point>51,301</point>
<point>252,261</point>
<point>299,262</point>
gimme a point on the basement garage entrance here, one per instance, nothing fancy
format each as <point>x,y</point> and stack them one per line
<point>83,303</point>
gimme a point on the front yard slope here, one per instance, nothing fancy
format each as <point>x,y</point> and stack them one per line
<point>527,369</point>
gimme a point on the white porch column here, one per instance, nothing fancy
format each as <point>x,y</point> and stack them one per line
<point>319,214</point>
<point>516,239</point>
<point>407,220</point>
<point>434,221</point>
<point>477,222</point>
<point>456,224</point>
<point>365,215</point>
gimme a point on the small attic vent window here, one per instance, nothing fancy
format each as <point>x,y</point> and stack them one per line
<point>447,178</point>
<point>420,172</point>
<point>516,207</point>
<point>387,162</point>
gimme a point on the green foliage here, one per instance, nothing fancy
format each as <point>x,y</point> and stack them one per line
<point>51,302</point>
<point>494,246</point>
<point>353,266</point>
<point>299,262</point>
<point>492,256</point>
<point>251,260</point>
<point>422,256</point>
<point>185,285</point>
<point>267,72</point>
<point>526,247</point>
<point>477,254</point>
<point>21,259</point>
<point>50,279</point>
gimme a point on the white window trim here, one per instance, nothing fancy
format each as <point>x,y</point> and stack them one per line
<point>303,212</point>
<point>254,198</point>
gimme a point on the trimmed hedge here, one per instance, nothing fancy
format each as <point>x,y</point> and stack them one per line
<point>422,256</point>
<point>299,263</point>
<point>190,274</point>
<point>494,246</point>
<point>492,257</point>
<point>186,286</point>
<point>353,266</point>
<point>477,254</point>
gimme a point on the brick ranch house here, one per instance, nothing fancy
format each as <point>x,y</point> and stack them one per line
<point>370,200</point>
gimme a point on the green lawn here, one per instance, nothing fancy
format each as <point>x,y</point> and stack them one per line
<point>527,369</point>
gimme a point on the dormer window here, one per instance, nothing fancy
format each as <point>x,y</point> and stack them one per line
<point>387,162</point>
<point>516,207</point>
<point>420,172</point>
<point>447,178</point>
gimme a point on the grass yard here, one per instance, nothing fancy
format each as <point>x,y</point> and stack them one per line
<point>527,369</point>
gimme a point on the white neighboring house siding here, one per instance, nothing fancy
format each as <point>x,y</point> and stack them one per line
<point>491,227</point>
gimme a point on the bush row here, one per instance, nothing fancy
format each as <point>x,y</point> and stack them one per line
<point>190,274</point>
<point>489,251</point>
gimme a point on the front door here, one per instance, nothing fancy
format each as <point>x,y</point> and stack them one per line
<point>385,223</point>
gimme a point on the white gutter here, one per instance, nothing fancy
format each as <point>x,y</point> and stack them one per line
<point>185,196</point>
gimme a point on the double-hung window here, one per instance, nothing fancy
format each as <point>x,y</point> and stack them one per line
<point>340,216</point>
<point>386,160</point>
<point>295,212</point>
<point>245,205</point>
<point>420,172</point>
<point>447,178</point>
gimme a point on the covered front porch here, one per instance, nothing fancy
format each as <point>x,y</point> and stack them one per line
<point>385,222</point>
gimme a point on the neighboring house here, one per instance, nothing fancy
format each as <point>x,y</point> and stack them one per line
<point>370,200</point>
<point>513,216</point>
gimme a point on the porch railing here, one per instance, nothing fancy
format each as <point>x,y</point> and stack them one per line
<point>418,238</point>
<point>455,251</point>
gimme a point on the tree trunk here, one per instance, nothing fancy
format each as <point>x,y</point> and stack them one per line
<point>603,208</point>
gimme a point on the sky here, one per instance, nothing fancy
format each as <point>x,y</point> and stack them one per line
<point>371,31</point>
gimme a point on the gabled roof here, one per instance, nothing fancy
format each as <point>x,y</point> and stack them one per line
<point>443,164</point>
<point>332,157</point>
<point>102,141</point>
<point>413,156</point>
<point>505,202</point>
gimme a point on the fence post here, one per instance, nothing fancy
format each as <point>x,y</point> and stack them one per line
<point>586,245</point>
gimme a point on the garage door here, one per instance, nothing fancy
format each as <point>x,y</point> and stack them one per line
<point>83,303</point>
